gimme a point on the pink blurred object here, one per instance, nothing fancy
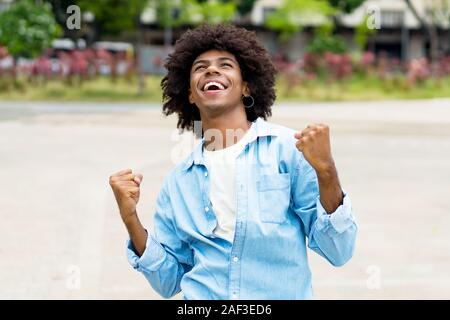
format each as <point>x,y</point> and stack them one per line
<point>368,58</point>
<point>79,64</point>
<point>310,63</point>
<point>338,65</point>
<point>41,66</point>
<point>104,54</point>
<point>418,70</point>
<point>444,66</point>
<point>311,76</point>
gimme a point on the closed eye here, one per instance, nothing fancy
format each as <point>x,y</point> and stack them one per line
<point>199,67</point>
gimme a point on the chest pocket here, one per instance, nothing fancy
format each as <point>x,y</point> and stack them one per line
<point>274,193</point>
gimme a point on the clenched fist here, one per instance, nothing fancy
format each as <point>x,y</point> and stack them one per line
<point>126,188</point>
<point>314,143</point>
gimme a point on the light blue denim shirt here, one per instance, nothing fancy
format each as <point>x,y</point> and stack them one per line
<point>278,212</point>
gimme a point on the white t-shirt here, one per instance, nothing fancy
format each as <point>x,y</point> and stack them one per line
<point>221,166</point>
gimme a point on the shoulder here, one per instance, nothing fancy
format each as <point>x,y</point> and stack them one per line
<point>280,135</point>
<point>283,140</point>
<point>180,174</point>
<point>284,134</point>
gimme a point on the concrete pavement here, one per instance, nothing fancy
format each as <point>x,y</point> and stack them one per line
<point>62,236</point>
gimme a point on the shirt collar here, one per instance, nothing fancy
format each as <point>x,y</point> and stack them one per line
<point>260,128</point>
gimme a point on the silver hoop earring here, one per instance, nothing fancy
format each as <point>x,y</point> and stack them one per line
<point>246,103</point>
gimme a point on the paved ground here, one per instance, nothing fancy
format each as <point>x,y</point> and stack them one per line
<point>62,237</point>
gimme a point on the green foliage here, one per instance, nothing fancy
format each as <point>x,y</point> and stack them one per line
<point>346,6</point>
<point>245,6</point>
<point>114,16</point>
<point>194,12</point>
<point>27,28</point>
<point>327,42</point>
<point>165,13</point>
<point>292,14</point>
<point>59,8</point>
<point>216,12</point>
<point>362,34</point>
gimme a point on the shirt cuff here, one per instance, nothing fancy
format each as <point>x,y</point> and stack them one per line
<point>338,221</point>
<point>151,260</point>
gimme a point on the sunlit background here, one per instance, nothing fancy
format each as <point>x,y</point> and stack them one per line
<point>80,98</point>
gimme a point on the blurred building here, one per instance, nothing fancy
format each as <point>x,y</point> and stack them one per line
<point>4,4</point>
<point>400,34</point>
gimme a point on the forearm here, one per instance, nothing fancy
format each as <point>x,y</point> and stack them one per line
<point>137,232</point>
<point>331,194</point>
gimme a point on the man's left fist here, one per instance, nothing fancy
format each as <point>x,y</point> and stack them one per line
<point>314,143</point>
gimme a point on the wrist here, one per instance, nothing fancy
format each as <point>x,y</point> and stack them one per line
<point>326,170</point>
<point>129,218</point>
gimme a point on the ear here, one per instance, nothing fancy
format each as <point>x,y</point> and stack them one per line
<point>191,98</point>
<point>245,89</point>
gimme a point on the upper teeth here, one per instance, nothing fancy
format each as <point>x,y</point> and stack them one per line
<point>213,83</point>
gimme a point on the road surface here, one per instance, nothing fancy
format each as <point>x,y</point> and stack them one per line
<point>62,236</point>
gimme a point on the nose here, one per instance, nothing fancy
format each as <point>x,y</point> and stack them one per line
<point>212,68</point>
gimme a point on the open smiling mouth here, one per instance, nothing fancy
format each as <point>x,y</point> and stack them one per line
<point>213,87</point>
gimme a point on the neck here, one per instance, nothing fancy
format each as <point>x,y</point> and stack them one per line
<point>224,130</point>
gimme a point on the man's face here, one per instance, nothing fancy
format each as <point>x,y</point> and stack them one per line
<point>216,82</point>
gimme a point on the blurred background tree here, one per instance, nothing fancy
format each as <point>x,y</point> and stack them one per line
<point>112,17</point>
<point>362,34</point>
<point>27,29</point>
<point>100,17</point>
<point>289,18</point>
<point>325,41</point>
<point>345,6</point>
<point>292,14</point>
<point>194,12</point>
<point>244,7</point>
<point>171,14</point>
<point>59,9</point>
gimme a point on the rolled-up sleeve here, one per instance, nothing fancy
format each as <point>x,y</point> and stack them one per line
<point>166,257</point>
<point>152,258</point>
<point>333,236</point>
<point>339,221</point>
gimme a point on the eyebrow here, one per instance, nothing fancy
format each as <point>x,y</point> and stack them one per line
<point>220,59</point>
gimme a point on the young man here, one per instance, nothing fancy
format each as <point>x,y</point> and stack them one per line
<point>232,220</point>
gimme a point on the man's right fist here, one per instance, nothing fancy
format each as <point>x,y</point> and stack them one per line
<point>125,186</point>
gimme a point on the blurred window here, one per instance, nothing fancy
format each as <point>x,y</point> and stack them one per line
<point>392,18</point>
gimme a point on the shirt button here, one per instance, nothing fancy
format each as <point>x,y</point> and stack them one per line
<point>206,174</point>
<point>234,295</point>
<point>235,259</point>
<point>206,209</point>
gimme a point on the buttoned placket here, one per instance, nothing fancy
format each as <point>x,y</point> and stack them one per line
<point>207,205</point>
<point>234,278</point>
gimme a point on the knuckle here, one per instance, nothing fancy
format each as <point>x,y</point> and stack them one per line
<point>134,190</point>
